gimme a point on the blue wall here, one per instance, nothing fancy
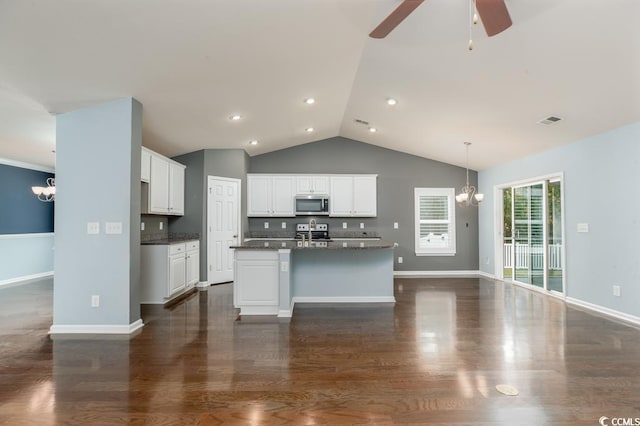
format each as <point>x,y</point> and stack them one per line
<point>600,177</point>
<point>20,210</point>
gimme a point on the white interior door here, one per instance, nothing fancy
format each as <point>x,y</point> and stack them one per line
<point>223,218</point>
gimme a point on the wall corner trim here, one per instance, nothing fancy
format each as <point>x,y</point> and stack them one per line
<point>96,328</point>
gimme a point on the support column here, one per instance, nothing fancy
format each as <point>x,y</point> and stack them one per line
<point>97,219</point>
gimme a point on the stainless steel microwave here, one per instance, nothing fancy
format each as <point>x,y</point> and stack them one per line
<point>309,205</point>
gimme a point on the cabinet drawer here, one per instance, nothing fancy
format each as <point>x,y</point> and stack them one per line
<point>177,249</point>
<point>193,245</point>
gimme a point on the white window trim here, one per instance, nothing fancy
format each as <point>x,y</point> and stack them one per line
<point>450,193</point>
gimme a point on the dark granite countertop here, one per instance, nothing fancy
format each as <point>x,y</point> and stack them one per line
<point>265,235</point>
<point>316,245</point>
<point>170,239</point>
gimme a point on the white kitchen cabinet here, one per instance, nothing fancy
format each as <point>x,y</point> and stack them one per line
<point>165,192</point>
<point>159,185</point>
<point>176,188</point>
<point>353,196</point>
<point>309,184</point>
<point>193,263</point>
<point>256,284</point>
<point>145,165</point>
<point>168,270</point>
<point>270,195</point>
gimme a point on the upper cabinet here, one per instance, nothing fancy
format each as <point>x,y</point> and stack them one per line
<point>270,195</point>
<point>349,195</point>
<point>309,184</point>
<point>353,196</point>
<point>145,166</point>
<point>165,194</point>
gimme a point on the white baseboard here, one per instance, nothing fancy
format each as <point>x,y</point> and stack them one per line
<point>435,274</point>
<point>202,284</point>
<point>285,313</point>
<point>487,275</point>
<point>96,329</point>
<point>606,311</point>
<point>19,280</point>
<point>346,299</point>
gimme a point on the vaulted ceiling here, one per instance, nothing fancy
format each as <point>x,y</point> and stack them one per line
<point>194,63</point>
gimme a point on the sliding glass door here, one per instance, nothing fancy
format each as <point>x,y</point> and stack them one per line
<point>532,238</point>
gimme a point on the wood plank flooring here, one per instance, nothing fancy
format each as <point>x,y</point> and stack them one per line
<point>434,357</point>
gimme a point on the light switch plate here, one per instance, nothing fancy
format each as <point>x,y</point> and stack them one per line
<point>266,225</point>
<point>395,225</point>
<point>113,228</point>
<point>93,228</point>
<point>583,227</point>
<point>344,225</point>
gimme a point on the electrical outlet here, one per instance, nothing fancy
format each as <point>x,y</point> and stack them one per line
<point>361,225</point>
<point>142,226</point>
<point>161,225</point>
<point>400,259</point>
<point>95,301</point>
<point>284,225</point>
<point>395,225</point>
<point>266,225</point>
<point>344,225</point>
<point>284,267</point>
<point>616,290</point>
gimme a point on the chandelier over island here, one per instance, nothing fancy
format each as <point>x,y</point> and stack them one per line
<point>46,193</point>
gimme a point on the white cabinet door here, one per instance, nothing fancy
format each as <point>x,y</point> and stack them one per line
<point>341,196</point>
<point>365,196</point>
<point>159,185</point>
<point>269,195</point>
<point>258,196</point>
<point>145,166</point>
<point>308,184</point>
<point>193,267</point>
<point>177,273</point>
<point>282,193</point>
<point>176,189</point>
<point>256,283</point>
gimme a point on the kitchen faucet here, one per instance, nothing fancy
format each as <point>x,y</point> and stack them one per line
<point>312,227</point>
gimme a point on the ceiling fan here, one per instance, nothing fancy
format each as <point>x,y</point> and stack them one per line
<point>494,14</point>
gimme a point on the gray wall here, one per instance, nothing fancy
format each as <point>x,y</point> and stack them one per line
<point>398,175</point>
<point>98,180</point>
<point>231,163</point>
<point>600,174</point>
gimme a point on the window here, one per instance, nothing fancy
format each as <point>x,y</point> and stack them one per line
<point>435,222</point>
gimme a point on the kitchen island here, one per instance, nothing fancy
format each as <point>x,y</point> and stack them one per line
<point>271,276</point>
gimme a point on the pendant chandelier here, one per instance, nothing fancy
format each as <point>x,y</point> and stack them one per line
<point>468,195</point>
<point>46,193</point>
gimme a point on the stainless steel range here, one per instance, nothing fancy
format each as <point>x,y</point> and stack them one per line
<point>319,232</point>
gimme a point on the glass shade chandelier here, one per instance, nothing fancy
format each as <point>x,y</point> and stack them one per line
<point>468,195</point>
<point>46,193</point>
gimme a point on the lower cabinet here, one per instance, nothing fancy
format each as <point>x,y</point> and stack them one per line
<point>256,284</point>
<point>168,270</point>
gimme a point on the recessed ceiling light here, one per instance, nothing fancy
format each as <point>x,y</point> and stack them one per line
<point>310,101</point>
<point>235,117</point>
<point>372,129</point>
<point>391,101</point>
<point>309,129</point>
<point>253,142</point>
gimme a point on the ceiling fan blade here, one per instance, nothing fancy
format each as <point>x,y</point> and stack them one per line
<point>495,16</point>
<point>394,19</point>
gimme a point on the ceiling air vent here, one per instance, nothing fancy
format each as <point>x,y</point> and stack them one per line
<point>357,120</point>
<point>552,119</point>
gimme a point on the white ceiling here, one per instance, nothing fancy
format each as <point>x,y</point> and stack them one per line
<point>193,63</point>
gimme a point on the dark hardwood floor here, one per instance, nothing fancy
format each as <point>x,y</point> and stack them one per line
<point>434,357</point>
